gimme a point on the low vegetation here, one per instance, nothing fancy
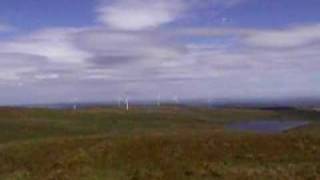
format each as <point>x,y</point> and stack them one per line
<point>169,143</point>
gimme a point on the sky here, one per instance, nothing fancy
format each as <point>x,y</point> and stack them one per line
<point>104,50</point>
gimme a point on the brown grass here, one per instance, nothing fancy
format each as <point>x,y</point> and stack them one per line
<point>206,155</point>
<point>147,144</point>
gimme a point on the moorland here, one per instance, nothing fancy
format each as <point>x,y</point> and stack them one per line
<point>146,143</point>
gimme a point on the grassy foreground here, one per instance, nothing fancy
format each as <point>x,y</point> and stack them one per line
<point>151,143</point>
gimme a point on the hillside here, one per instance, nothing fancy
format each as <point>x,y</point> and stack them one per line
<point>153,143</point>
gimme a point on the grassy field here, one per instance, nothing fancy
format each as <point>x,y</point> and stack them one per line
<point>169,143</point>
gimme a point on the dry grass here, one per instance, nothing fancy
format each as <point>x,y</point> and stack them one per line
<point>206,155</point>
<point>147,144</point>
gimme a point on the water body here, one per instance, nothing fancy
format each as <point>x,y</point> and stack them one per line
<point>265,126</point>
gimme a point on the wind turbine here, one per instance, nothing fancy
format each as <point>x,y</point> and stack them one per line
<point>209,101</point>
<point>176,99</point>
<point>126,98</point>
<point>75,106</point>
<point>127,103</point>
<point>159,100</point>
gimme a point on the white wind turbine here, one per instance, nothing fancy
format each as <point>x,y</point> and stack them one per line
<point>209,101</point>
<point>159,100</point>
<point>127,103</point>
<point>75,106</point>
<point>126,98</point>
<point>176,99</point>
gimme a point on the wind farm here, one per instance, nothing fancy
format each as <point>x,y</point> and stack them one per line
<point>150,142</point>
<point>159,90</point>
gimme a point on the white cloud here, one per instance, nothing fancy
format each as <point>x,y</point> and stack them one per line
<point>147,14</point>
<point>124,48</point>
<point>13,65</point>
<point>104,55</point>
<point>291,37</point>
<point>286,38</point>
<point>139,14</point>
<point>53,44</point>
<point>47,76</point>
<point>105,59</point>
<point>217,3</point>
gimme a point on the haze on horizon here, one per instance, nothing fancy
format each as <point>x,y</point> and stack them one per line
<point>99,50</point>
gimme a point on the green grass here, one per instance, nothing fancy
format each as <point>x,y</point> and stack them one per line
<point>170,143</point>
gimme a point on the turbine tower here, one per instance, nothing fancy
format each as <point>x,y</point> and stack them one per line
<point>159,100</point>
<point>75,106</point>
<point>209,101</point>
<point>127,103</point>
<point>176,99</point>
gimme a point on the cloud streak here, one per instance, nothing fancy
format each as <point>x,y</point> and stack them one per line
<point>286,38</point>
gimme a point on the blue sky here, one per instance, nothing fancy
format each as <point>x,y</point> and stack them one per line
<point>34,14</point>
<point>86,50</point>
